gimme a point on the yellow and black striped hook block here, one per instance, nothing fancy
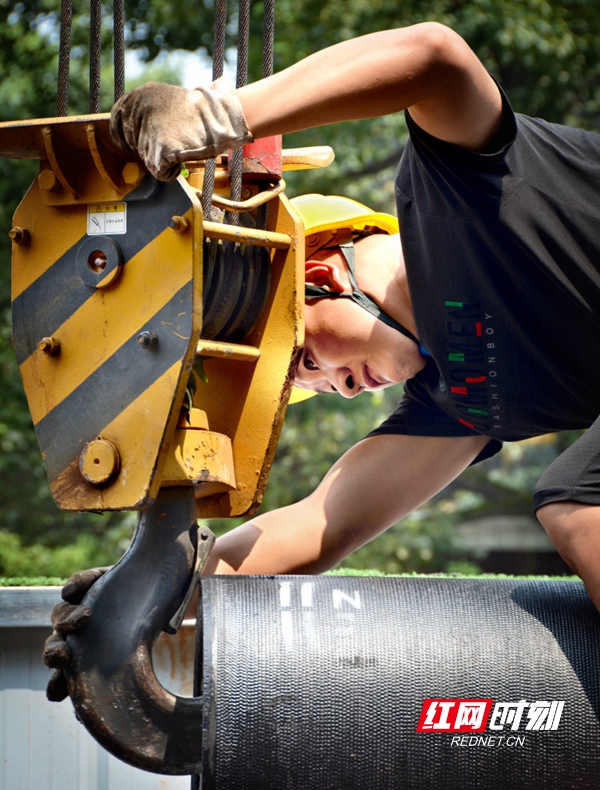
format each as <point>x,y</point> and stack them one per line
<point>107,297</point>
<point>107,310</point>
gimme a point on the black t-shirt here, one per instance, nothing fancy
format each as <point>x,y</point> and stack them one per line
<point>502,254</point>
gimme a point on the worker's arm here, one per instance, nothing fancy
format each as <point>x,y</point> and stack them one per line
<point>426,67</point>
<point>372,486</point>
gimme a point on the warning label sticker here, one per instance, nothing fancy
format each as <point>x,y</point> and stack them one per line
<point>107,218</point>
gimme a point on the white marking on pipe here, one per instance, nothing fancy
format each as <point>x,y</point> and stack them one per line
<point>306,594</point>
<point>285,594</point>
<point>287,628</point>
<point>339,596</point>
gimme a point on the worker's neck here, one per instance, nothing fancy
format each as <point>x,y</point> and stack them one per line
<point>381,274</point>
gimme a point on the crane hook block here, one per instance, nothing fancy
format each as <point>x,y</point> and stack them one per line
<point>114,273</point>
<point>128,308</point>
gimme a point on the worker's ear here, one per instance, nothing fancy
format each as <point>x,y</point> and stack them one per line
<point>324,274</point>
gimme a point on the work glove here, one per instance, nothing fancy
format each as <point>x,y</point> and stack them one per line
<point>67,617</point>
<point>167,125</point>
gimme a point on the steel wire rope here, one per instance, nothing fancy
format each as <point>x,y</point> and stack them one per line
<point>219,35</point>
<point>267,70</point>
<point>237,158</point>
<point>119,48</point>
<point>64,57</point>
<point>268,38</point>
<point>95,47</point>
<point>231,250</point>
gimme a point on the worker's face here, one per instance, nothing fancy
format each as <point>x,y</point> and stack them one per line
<point>347,350</point>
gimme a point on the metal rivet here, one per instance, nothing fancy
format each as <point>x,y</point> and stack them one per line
<point>48,181</point>
<point>179,224</point>
<point>132,173</point>
<point>148,340</point>
<point>99,462</point>
<point>20,236</point>
<point>49,345</point>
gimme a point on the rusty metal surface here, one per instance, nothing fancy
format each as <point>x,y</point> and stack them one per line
<point>263,158</point>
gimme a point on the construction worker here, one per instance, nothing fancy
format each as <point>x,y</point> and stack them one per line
<point>489,297</point>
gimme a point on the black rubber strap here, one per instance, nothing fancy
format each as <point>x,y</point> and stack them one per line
<point>359,297</point>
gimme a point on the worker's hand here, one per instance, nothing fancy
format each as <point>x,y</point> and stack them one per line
<point>67,617</point>
<point>167,125</point>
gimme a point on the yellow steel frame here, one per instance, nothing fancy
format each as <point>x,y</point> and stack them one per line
<point>248,386</point>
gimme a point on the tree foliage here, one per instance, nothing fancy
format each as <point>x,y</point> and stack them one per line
<point>547,57</point>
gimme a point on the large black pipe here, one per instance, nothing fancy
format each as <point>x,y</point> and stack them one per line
<point>320,682</point>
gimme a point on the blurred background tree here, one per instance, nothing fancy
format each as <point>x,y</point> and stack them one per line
<point>546,56</point>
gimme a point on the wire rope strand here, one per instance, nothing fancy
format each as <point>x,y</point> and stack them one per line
<point>236,166</point>
<point>268,38</point>
<point>243,39</point>
<point>219,38</point>
<point>64,57</point>
<point>95,43</point>
<point>119,47</point>
<point>220,31</point>
<point>267,70</point>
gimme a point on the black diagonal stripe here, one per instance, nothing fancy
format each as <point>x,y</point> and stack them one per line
<point>114,385</point>
<point>53,298</point>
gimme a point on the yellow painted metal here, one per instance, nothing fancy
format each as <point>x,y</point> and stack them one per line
<point>214,348</point>
<point>139,432</point>
<point>250,203</point>
<point>146,286</point>
<point>272,240</point>
<point>79,160</point>
<point>200,458</point>
<point>59,368</point>
<point>99,462</point>
<point>138,446</point>
<point>246,400</point>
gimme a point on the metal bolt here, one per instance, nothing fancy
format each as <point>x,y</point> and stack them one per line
<point>148,340</point>
<point>48,181</point>
<point>132,173</point>
<point>99,462</point>
<point>179,224</point>
<point>49,345</point>
<point>20,236</point>
<point>97,261</point>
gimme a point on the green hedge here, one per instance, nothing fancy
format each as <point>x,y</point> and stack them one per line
<point>51,581</point>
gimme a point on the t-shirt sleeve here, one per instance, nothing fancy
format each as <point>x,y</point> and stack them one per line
<point>418,417</point>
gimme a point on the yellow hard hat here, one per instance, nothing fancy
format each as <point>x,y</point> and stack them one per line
<point>325,214</point>
<point>298,395</point>
<point>331,212</point>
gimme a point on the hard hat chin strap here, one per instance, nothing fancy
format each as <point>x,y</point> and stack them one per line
<point>357,296</point>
